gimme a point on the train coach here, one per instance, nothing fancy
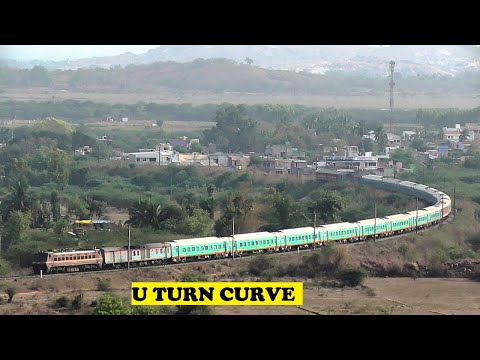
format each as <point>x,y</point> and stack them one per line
<point>205,248</point>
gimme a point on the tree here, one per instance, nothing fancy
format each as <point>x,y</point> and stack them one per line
<point>13,230</point>
<point>11,291</point>
<point>381,138</point>
<point>101,151</point>
<point>248,61</point>
<point>327,205</point>
<point>20,198</point>
<point>159,122</point>
<point>234,130</point>
<point>58,163</point>
<point>55,202</point>
<point>110,304</point>
<point>198,224</point>
<point>464,135</point>
<point>39,76</point>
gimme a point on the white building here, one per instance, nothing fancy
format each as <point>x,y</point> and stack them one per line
<point>162,157</point>
<point>452,134</point>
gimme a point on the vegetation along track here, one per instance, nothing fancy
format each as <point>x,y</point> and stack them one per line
<point>383,228</point>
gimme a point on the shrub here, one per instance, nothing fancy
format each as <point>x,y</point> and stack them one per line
<point>62,302</point>
<point>77,302</point>
<point>260,264</point>
<point>103,284</point>
<point>11,291</point>
<point>352,276</point>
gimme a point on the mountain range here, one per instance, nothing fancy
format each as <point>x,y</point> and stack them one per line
<point>365,60</point>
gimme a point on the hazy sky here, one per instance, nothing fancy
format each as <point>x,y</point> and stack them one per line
<point>63,52</point>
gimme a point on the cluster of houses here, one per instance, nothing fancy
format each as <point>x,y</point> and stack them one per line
<point>332,163</point>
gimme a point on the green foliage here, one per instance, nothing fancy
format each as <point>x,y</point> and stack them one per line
<point>104,284</point>
<point>352,276</point>
<point>5,267</point>
<point>15,228</point>
<point>77,302</point>
<point>473,162</point>
<point>109,304</point>
<point>198,224</point>
<point>261,264</point>
<point>475,242</point>
<point>404,156</point>
<point>61,227</point>
<point>11,291</point>
<point>62,302</point>
<point>327,205</point>
<point>234,130</point>
<point>192,277</point>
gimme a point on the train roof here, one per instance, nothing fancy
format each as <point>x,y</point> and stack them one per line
<point>372,177</point>
<point>156,244</point>
<point>197,241</point>
<point>73,252</point>
<point>250,236</point>
<point>397,216</point>
<point>296,230</point>
<point>343,225</point>
<point>371,221</point>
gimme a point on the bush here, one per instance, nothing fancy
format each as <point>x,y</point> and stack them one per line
<point>352,276</point>
<point>77,302</point>
<point>5,267</point>
<point>11,291</point>
<point>261,264</point>
<point>103,284</point>
<point>109,304</point>
<point>62,302</point>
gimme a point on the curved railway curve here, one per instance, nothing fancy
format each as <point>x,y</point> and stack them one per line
<point>296,239</point>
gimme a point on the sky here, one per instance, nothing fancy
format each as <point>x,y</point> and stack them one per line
<point>64,52</point>
<point>70,52</point>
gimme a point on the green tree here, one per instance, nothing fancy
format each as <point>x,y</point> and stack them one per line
<point>61,227</point>
<point>109,304</point>
<point>17,224</point>
<point>352,276</point>
<point>327,205</point>
<point>58,163</point>
<point>159,123</point>
<point>39,76</point>
<point>101,151</point>
<point>381,138</point>
<point>11,291</point>
<point>55,202</point>
<point>198,224</point>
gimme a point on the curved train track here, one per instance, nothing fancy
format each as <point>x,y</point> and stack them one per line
<point>178,252</point>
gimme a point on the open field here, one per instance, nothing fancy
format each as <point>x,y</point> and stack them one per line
<point>199,97</point>
<point>379,296</point>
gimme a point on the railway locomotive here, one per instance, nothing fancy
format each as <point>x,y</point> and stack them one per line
<point>205,248</point>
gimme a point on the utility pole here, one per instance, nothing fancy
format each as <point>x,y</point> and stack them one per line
<point>416,218</point>
<point>314,227</point>
<point>454,198</point>
<point>233,238</point>
<point>375,224</point>
<point>392,84</point>
<point>128,256</point>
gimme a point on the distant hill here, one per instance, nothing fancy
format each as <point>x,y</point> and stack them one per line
<point>412,60</point>
<point>223,75</point>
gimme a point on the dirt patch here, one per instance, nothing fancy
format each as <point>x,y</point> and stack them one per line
<point>376,296</point>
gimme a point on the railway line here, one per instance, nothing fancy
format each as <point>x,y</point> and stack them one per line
<point>250,255</point>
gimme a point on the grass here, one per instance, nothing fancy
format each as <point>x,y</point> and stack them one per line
<point>163,96</point>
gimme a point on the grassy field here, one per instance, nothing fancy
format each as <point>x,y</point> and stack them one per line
<point>379,296</point>
<point>198,97</point>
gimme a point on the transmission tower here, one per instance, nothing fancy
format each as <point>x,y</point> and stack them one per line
<point>392,84</point>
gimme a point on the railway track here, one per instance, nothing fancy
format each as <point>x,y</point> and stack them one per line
<point>360,243</point>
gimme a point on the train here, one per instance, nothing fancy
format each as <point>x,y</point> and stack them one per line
<point>237,245</point>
